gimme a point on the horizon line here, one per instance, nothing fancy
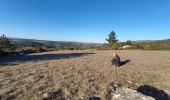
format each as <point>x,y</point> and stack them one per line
<point>82,41</point>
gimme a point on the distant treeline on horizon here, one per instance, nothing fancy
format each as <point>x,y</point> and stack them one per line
<point>13,45</point>
<point>146,44</point>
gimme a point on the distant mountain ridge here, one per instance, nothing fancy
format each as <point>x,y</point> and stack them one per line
<point>146,44</point>
<point>53,43</point>
<point>151,40</point>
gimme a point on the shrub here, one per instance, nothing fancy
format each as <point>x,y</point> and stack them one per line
<point>5,44</point>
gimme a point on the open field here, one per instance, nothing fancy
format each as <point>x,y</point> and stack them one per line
<point>75,75</point>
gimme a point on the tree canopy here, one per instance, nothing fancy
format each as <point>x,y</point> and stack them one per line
<point>112,40</point>
<point>5,43</point>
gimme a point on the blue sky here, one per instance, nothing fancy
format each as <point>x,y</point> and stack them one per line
<point>85,20</point>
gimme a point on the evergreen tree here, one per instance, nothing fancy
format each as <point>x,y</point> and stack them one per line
<point>112,39</point>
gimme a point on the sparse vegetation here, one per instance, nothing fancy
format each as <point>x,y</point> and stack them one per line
<point>155,45</point>
<point>82,73</point>
<point>96,78</point>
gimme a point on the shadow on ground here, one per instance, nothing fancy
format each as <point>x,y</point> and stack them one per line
<point>124,62</point>
<point>11,60</point>
<point>94,98</point>
<point>153,92</point>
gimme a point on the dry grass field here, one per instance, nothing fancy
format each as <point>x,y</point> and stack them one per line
<point>76,75</point>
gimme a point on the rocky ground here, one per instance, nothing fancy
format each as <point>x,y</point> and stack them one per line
<point>121,93</point>
<point>79,75</point>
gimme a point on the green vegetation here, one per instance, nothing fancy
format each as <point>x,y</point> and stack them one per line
<point>155,45</point>
<point>114,44</point>
<point>112,38</point>
<point>31,47</point>
<point>71,47</point>
<point>12,47</point>
<point>6,46</point>
<point>128,42</point>
<point>132,45</point>
<point>112,41</point>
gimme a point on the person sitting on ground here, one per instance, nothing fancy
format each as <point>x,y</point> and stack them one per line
<point>115,59</point>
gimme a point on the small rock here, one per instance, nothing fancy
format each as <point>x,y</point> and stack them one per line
<point>116,96</point>
<point>45,95</point>
<point>129,82</point>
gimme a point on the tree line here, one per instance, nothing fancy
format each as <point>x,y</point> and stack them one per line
<point>8,47</point>
<point>12,47</point>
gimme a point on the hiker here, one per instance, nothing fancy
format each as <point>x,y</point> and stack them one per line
<point>115,59</point>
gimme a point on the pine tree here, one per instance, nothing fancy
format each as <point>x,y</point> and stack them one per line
<point>112,39</point>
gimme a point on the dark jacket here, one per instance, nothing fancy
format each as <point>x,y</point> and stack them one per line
<point>116,59</point>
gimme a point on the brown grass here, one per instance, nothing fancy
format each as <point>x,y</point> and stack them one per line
<point>80,76</point>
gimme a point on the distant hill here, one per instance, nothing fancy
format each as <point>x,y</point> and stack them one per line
<point>155,44</point>
<point>146,44</point>
<point>53,43</point>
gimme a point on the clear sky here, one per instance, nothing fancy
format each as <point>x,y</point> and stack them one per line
<point>85,20</point>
